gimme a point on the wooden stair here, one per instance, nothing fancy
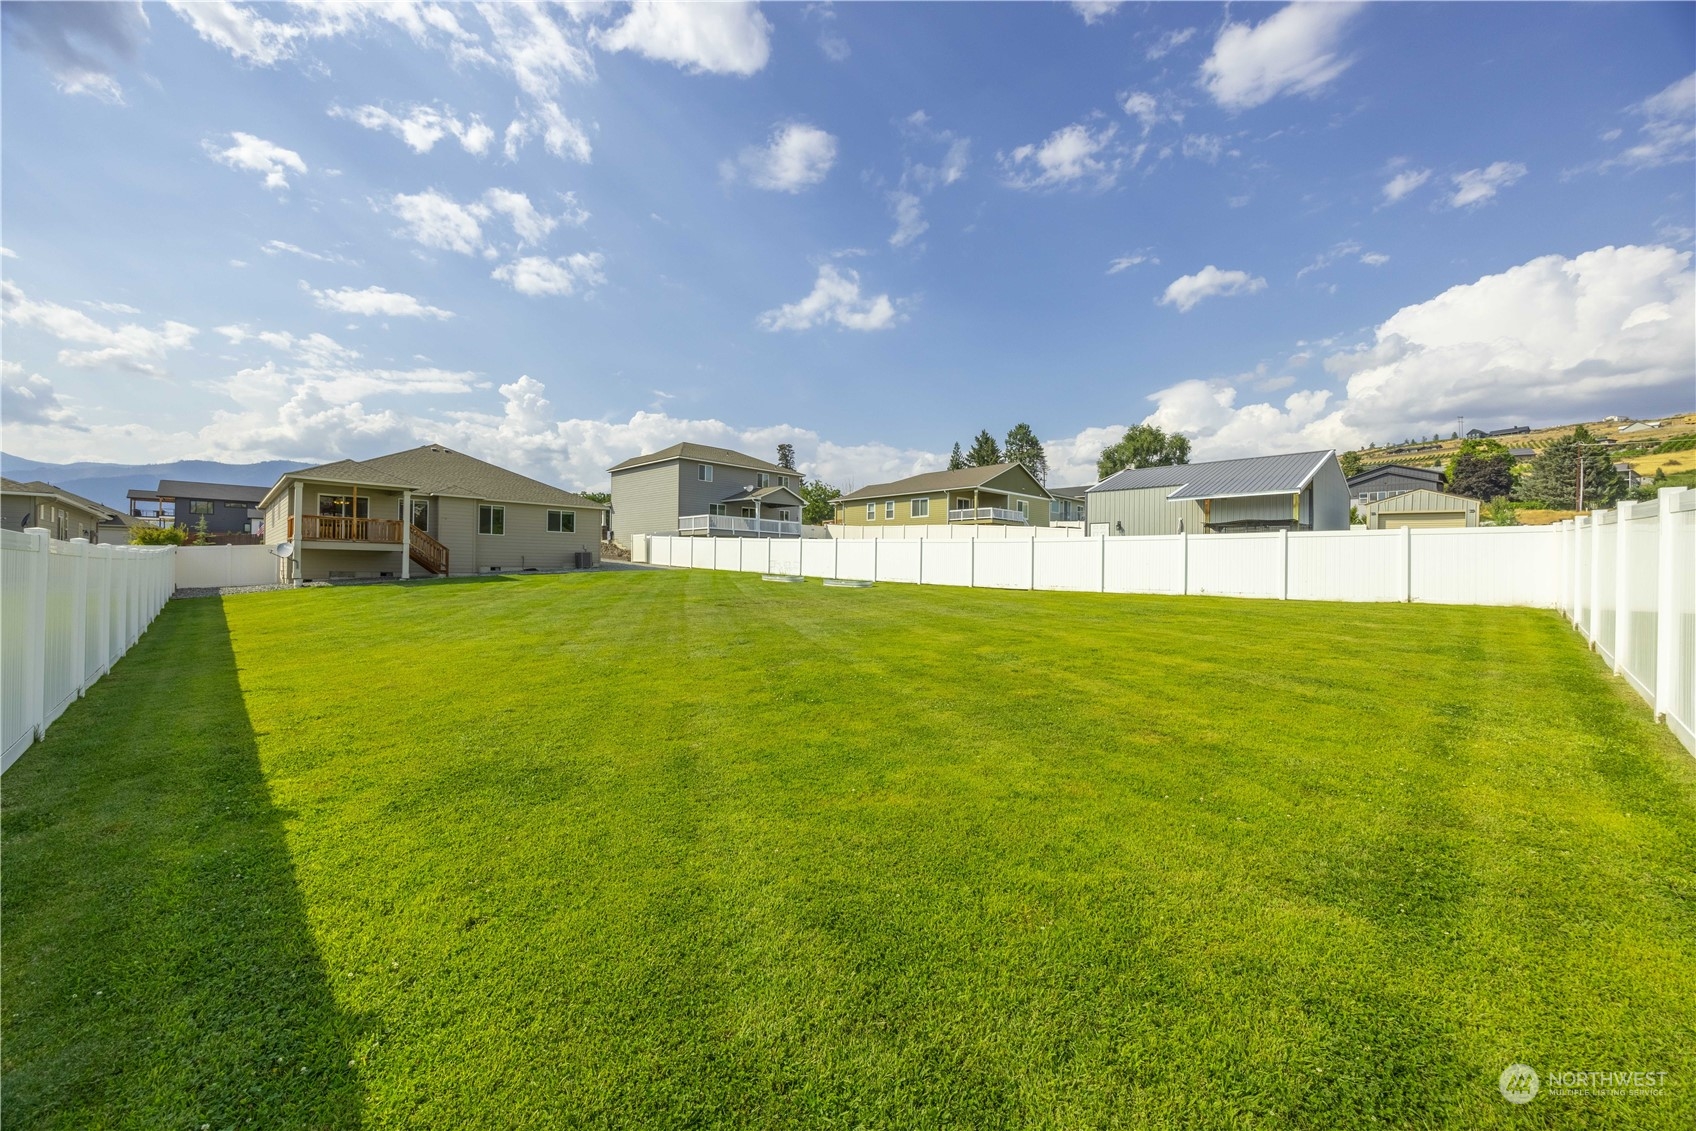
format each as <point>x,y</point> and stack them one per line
<point>427,553</point>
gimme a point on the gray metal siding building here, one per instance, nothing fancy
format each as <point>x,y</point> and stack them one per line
<point>1300,490</point>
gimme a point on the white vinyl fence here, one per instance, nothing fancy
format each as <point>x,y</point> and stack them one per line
<point>1628,583</point>
<point>68,612</point>
<point>1477,566</point>
<point>951,532</point>
<point>206,567</point>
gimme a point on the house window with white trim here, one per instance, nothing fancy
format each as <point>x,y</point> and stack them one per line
<point>920,508</point>
<point>889,509</point>
<point>1022,507</point>
<point>783,480</point>
<point>704,473</point>
<point>765,480</point>
<point>871,512</point>
<point>562,522</point>
<point>715,508</point>
<point>491,520</point>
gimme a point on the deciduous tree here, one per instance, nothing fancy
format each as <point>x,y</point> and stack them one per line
<point>1144,445</point>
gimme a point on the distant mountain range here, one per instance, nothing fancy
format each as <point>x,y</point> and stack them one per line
<point>110,483</point>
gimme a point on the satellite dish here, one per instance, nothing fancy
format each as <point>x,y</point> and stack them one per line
<point>283,549</point>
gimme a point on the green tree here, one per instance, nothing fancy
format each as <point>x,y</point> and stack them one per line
<point>1350,462</point>
<point>1480,469</point>
<point>820,499</point>
<point>1023,447</point>
<point>786,456</point>
<point>955,460</point>
<point>984,451</point>
<point>1144,445</point>
<point>1501,512</point>
<point>158,536</point>
<point>1553,478</point>
<point>602,497</point>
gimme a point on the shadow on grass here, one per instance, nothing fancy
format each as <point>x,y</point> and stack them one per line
<point>159,967</point>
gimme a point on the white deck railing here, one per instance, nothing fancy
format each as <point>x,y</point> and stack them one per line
<point>730,524</point>
<point>979,514</point>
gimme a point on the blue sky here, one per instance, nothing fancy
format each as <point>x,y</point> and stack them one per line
<point>561,236</point>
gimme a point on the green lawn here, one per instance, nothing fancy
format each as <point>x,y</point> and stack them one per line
<point>683,849</point>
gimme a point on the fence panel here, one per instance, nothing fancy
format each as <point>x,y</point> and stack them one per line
<point>700,552</point>
<point>1154,564</point>
<point>858,561</point>
<point>786,556</point>
<point>1002,565</point>
<point>899,561</point>
<point>1345,565</point>
<point>1676,659</point>
<point>203,567</point>
<point>94,631</point>
<point>756,555</point>
<point>1070,564</point>
<point>1236,565</point>
<point>1638,575</point>
<point>60,667</point>
<point>1603,585</point>
<point>17,567</point>
<point>818,558</point>
<point>948,563</point>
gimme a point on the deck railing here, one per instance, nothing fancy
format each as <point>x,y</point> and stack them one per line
<point>989,514</point>
<point>731,524</point>
<point>429,553</point>
<point>341,528</point>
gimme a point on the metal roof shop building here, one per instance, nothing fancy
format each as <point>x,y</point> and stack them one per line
<point>1421,509</point>
<point>1295,491</point>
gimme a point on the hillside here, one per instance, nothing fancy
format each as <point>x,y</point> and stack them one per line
<point>1428,453</point>
<point>108,482</point>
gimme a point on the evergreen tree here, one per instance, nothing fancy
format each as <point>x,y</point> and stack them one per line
<point>984,451</point>
<point>786,456</point>
<point>1144,445</point>
<point>955,460</point>
<point>1553,478</point>
<point>1481,469</point>
<point>1023,447</point>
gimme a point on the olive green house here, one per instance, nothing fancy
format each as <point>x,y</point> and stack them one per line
<point>996,494</point>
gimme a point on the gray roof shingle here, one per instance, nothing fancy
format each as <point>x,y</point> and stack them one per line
<point>705,453</point>
<point>938,481</point>
<point>435,470</point>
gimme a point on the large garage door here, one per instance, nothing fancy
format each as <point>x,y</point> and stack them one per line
<point>1424,520</point>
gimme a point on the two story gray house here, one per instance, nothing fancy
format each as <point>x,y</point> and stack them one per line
<point>703,490</point>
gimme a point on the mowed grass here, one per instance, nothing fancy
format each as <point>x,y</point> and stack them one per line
<point>684,849</point>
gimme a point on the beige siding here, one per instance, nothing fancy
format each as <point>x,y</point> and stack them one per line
<point>645,500</point>
<point>320,565</point>
<point>456,528</point>
<point>529,544</point>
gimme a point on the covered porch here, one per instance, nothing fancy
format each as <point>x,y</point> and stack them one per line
<point>330,520</point>
<point>762,512</point>
<point>987,508</point>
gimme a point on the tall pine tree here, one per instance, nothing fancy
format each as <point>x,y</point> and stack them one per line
<point>1553,478</point>
<point>955,460</point>
<point>1023,447</point>
<point>984,451</point>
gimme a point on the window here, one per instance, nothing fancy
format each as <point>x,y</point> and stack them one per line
<point>889,509</point>
<point>704,473</point>
<point>1021,506</point>
<point>200,506</point>
<point>491,520</point>
<point>871,512</point>
<point>765,480</point>
<point>715,508</point>
<point>421,514</point>
<point>236,506</point>
<point>562,522</point>
<point>247,527</point>
<point>342,506</point>
<point>783,480</point>
<point>747,512</point>
<point>920,508</point>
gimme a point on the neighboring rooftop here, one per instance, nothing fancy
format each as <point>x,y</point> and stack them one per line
<point>435,470</point>
<point>704,453</point>
<point>187,489</point>
<point>1069,492</point>
<point>1226,478</point>
<point>36,487</point>
<point>937,481</point>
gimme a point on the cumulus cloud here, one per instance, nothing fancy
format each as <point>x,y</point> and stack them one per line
<point>1403,183</point>
<point>438,221</point>
<point>1186,291</point>
<point>1094,11</point>
<point>1479,186</point>
<point>1611,330</point>
<point>80,44</point>
<point>920,179</point>
<point>1146,109</point>
<point>421,127</point>
<point>240,30</point>
<point>1068,156</point>
<point>31,400</point>
<point>542,56</point>
<point>130,346</point>
<point>540,275</point>
<point>1294,51</point>
<point>835,298</point>
<point>720,39</point>
<point>1668,133</point>
<point>795,156</point>
<point>375,302</point>
<point>910,223</point>
<point>256,155</point>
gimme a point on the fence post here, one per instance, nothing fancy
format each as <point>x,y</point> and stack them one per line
<point>79,617</point>
<point>1184,562</point>
<point>1666,618</point>
<point>874,561</point>
<point>1283,565</point>
<point>1033,558</point>
<point>35,650</point>
<point>972,566</point>
<point>922,542</point>
<point>1595,574</point>
<point>1622,588</point>
<point>1407,564</point>
<point>1103,586</point>
<point>104,584</point>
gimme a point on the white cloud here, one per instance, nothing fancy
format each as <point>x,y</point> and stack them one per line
<point>835,297</point>
<point>240,30</point>
<point>256,155</point>
<point>1293,51</point>
<point>1611,330</point>
<point>1206,147</point>
<point>1478,186</point>
<point>1094,11</point>
<point>1135,259</point>
<point>1071,154</point>
<point>910,223</point>
<point>542,57</point>
<point>421,127</point>
<point>1188,290</point>
<point>1145,108</point>
<point>319,350</point>
<point>1348,249</point>
<point>130,346</point>
<point>1374,259</point>
<point>795,156</point>
<point>531,226</point>
<point>31,400</point>
<point>7,253</point>
<point>1170,42</point>
<point>110,307</point>
<point>278,247</point>
<point>437,220</point>
<point>1668,132</point>
<point>720,39</point>
<point>375,302</point>
<point>539,275</point>
<point>1403,183</point>
<point>80,44</point>
<point>830,41</point>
